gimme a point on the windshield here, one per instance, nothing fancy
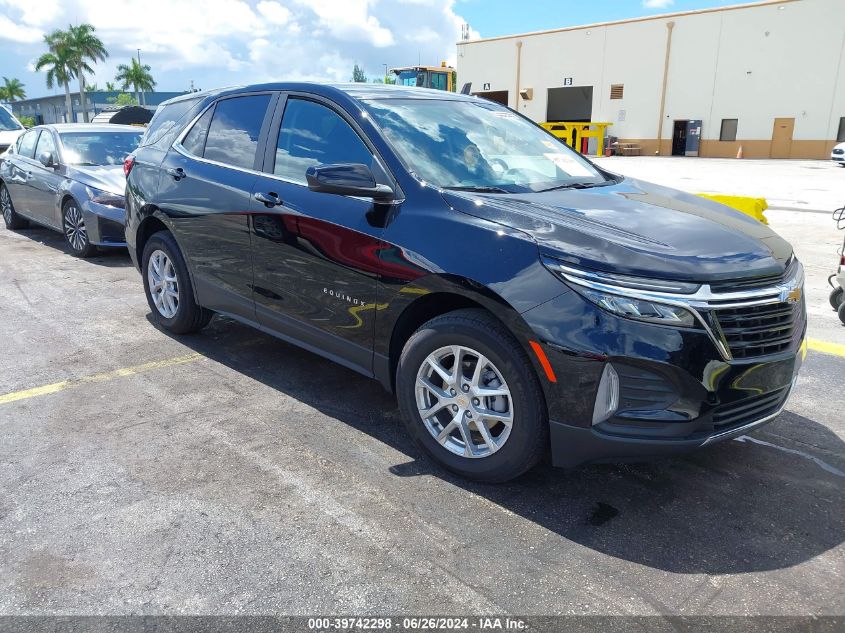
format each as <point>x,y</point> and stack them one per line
<point>479,145</point>
<point>99,148</point>
<point>7,122</point>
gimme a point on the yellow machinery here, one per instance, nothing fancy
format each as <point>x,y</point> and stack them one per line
<point>575,134</point>
<point>438,77</point>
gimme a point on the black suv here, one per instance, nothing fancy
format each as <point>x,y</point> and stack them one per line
<point>514,295</point>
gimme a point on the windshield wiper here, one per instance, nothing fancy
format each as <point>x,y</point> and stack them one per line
<point>479,189</point>
<point>575,185</point>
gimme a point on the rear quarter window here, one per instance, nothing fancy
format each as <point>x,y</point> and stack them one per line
<point>168,121</point>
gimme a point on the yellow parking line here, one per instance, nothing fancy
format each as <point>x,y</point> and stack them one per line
<point>825,347</point>
<point>109,375</point>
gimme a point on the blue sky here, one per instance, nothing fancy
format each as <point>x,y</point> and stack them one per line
<point>226,42</point>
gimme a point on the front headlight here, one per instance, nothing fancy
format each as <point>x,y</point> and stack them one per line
<point>105,198</point>
<point>652,300</point>
<point>640,309</point>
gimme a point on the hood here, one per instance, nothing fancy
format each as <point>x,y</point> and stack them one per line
<point>106,177</point>
<point>637,228</point>
<point>7,137</point>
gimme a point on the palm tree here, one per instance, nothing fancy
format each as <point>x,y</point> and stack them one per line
<point>58,63</point>
<point>84,47</point>
<point>110,87</point>
<point>137,76</point>
<point>12,90</point>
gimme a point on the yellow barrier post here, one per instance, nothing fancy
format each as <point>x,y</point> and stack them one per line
<point>571,132</point>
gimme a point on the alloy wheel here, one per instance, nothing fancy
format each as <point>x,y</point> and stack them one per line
<point>164,286</point>
<point>464,401</point>
<point>6,204</point>
<point>77,235</point>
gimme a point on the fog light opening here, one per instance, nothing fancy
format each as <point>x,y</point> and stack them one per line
<point>607,396</point>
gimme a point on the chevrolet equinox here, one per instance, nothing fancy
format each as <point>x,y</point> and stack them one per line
<point>517,298</point>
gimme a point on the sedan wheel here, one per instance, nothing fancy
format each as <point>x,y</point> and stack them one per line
<point>13,220</point>
<point>75,232</point>
<point>464,401</point>
<point>163,284</point>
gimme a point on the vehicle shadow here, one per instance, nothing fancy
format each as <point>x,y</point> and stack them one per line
<point>108,257</point>
<point>733,508</point>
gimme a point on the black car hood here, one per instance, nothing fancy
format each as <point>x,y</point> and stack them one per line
<point>637,228</point>
<point>105,177</point>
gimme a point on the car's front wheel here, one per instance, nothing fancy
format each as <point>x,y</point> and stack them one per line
<point>168,287</point>
<point>470,397</point>
<point>76,233</point>
<point>12,220</point>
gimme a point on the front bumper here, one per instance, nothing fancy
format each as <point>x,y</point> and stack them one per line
<point>104,224</point>
<point>676,391</point>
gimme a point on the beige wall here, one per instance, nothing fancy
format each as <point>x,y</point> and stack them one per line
<point>728,149</point>
<point>754,63</point>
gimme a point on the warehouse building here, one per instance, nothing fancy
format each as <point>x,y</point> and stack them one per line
<point>768,77</point>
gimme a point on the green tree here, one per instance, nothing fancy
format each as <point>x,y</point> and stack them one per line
<point>123,99</point>
<point>135,75</point>
<point>110,87</point>
<point>84,47</point>
<point>358,75</point>
<point>59,66</point>
<point>12,90</point>
<point>26,121</point>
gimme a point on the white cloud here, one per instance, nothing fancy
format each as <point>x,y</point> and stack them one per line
<point>657,4</point>
<point>16,32</point>
<point>274,12</point>
<point>223,42</point>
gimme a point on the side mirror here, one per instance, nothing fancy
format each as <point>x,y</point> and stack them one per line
<point>47,159</point>
<point>347,179</point>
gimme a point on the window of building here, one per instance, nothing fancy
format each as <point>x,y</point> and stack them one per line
<point>617,91</point>
<point>194,140</point>
<point>234,129</point>
<point>313,134</point>
<point>840,136</point>
<point>728,132</point>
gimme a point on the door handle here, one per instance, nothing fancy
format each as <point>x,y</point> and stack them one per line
<point>270,199</point>
<point>177,173</point>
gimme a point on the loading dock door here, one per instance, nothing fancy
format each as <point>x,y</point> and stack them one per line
<point>499,96</point>
<point>573,103</point>
<point>782,138</point>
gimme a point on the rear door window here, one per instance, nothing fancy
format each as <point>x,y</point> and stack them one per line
<point>234,131</point>
<point>26,145</point>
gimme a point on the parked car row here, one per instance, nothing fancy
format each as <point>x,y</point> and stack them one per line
<point>518,299</point>
<point>69,177</point>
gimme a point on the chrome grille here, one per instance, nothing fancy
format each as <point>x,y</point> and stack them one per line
<point>761,329</point>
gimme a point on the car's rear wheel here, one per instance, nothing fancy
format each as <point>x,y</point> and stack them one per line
<point>470,397</point>
<point>76,233</point>
<point>10,217</point>
<point>836,297</point>
<point>841,312</point>
<point>168,287</point>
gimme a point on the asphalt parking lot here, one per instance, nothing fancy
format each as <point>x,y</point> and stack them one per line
<point>228,472</point>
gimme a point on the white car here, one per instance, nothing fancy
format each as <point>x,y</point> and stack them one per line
<point>838,154</point>
<point>10,129</point>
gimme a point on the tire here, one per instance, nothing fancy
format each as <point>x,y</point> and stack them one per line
<point>10,217</point>
<point>841,313</point>
<point>836,297</point>
<point>74,230</point>
<point>177,312</point>
<point>504,452</point>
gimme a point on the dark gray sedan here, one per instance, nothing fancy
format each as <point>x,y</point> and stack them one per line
<point>69,177</point>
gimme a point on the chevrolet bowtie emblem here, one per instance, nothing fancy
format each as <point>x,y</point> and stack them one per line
<point>792,295</point>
